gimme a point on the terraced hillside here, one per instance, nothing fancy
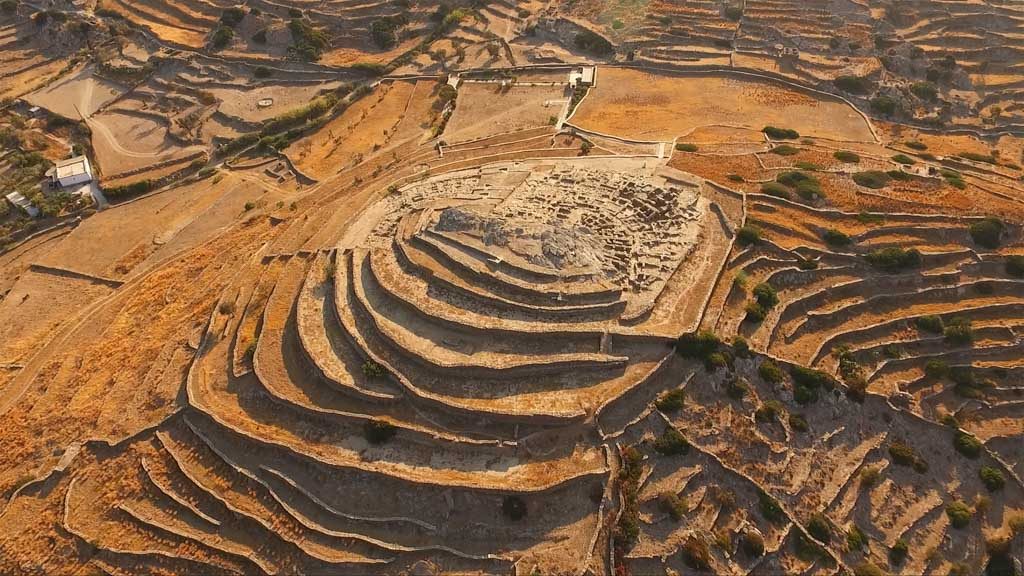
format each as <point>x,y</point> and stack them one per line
<point>590,287</point>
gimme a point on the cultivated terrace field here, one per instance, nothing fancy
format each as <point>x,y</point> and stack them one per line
<point>602,287</point>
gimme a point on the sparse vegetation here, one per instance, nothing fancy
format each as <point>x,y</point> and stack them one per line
<point>513,507</point>
<point>671,443</point>
<point>988,233</point>
<point>748,235</point>
<point>378,431</point>
<point>836,238</point>
<point>873,179</point>
<point>686,147</point>
<point>894,260</point>
<point>959,514</point>
<point>673,505</point>
<point>672,401</point>
<point>846,156</point>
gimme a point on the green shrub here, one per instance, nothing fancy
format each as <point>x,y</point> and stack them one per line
<point>769,412</point>
<point>766,295</point>
<point>673,505</point>
<point>775,189</point>
<point>894,259</point>
<point>785,150</point>
<point>924,90</point>
<point>903,454</point>
<point>899,175</point>
<point>846,156</point>
<point>870,218</point>
<point>856,540</point>
<point>904,159</point>
<point>854,84</point>
<point>869,475</point>
<point>592,42</point>
<point>260,37</point>
<point>884,105</point>
<point>11,6</point>
<point>936,369</point>
<point>959,514</point>
<point>262,72</point>
<point>836,238</point>
<point>671,401</point>
<point>930,323</point>
<point>988,232</point>
<point>514,507</point>
<point>384,31</point>
<point>372,369</point>
<point>992,478</point>
<point>686,147</point>
<point>770,372</point>
<point>984,158</point>
<point>898,552</point>
<point>715,361</point>
<point>820,528</point>
<point>697,344</point>
<point>221,37</point>
<point>736,178</point>
<point>748,235</point>
<point>308,43</point>
<point>754,313</point>
<point>740,345</point>
<point>916,145</point>
<point>873,179</point>
<point>967,444</point>
<point>671,443</point>
<point>232,16</point>
<point>737,389</point>
<point>734,13</point>
<point>798,422</point>
<point>805,165</point>
<point>780,133</point>
<point>1015,265</point>
<point>752,544</point>
<point>959,332</point>
<point>770,508</point>
<point>378,431</point>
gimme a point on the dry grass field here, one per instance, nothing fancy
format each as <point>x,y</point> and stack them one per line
<point>644,106</point>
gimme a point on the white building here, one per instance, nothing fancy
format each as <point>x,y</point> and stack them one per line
<point>583,76</point>
<point>19,201</point>
<point>70,172</point>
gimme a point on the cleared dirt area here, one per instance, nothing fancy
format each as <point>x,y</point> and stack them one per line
<point>124,142</point>
<point>76,96</point>
<point>486,109</point>
<point>644,106</point>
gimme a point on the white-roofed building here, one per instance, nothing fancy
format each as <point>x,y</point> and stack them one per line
<point>70,172</point>
<point>18,200</point>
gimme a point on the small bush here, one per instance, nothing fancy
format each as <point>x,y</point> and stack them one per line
<point>856,540</point>
<point>232,16</point>
<point>988,232</point>
<point>992,478</point>
<point>673,505</point>
<point>924,90</point>
<point>836,238</point>
<point>736,178</point>
<point>846,156</point>
<point>262,72</point>
<point>798,422</point>
<point>372,369</point>
<point>959,332</point>
<point>737,389</point>
<point>898,552</point>
<point>734,13</point>
<point>959,514</point>
<point>686,147</point>
<point>967,444</point>
<point>221,37</point>
<point>766,295</point>
<point>903,454</point>
<point>904,159</point>
<point>514,507</point>
<point>781,133</point>
<point>698,344</point>
<point>769,412</point>
<point>592,42</point>
<point>672,401</point>
<point>884,105</point>
<point>936,369</point>
<point>873,179</point>
<point>752,544</point>
<point>740,345</point>
<point>894,259</point>
<point>748,235</point>
<point>854,84</point>
<point>1015,265</point>
<point>820,528</point>
<point>916,145</point>
<point>776,189</point>
<point>785,150</point>
<point>869,475</point>
<point>770,509</point>
<point>770,372</point>
<point>755,313</point>
<point>378,431</point>
<point>715,361</point>
<point>983,158</point>
<point>930,323</point>
<point>671,443</point>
